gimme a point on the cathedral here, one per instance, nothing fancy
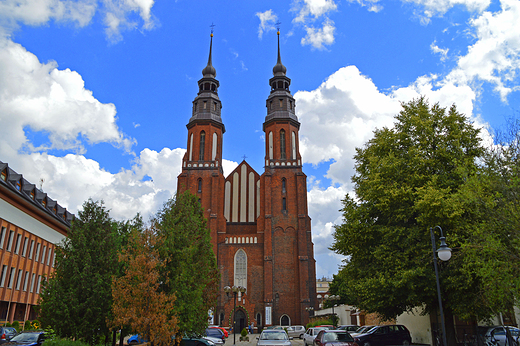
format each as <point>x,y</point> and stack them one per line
<point>259,224</point>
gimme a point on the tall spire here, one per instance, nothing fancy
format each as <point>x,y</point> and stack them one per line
<point>279,69</point>
<point>209,71</point>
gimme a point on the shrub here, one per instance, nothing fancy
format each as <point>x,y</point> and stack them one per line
<point>27,325</point>
<point>243,332</point>
<point>16,325</point>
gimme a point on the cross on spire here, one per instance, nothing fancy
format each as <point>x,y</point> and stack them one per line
<point>278,25</point>
<point>212,26</point>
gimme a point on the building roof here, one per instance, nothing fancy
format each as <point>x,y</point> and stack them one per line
<point>18,185</point>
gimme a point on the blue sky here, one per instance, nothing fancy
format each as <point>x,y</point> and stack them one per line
<point>95,94</point>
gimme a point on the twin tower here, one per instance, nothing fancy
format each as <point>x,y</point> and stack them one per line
<point>259,224</point>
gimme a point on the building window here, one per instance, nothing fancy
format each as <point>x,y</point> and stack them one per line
<point>241,268</point>
<point>49,256</point>
<point>282,144</point>
<point>2,237</point>
<point>37,252</point>
<point>31,249</point>
<point>205,104</point>
<point>19,185</point>
<point>281,103</point>
<point>18,240</point>
<point>38,284</point>
<point>43,255</point>
<point>271,105</point>
<point>290,104</point>
<point>19,279</point>
<point>214,106</point>
<point>24,251</point>
<point>284,185</point>
<point>199,187</point>
<point>202,142</point>
<point>3,175</point>
<point>26,280</point>
<point>4,273</point>
<point>10,241</point>
<point>11,278</point>
<point>31,288</point>
<point>284,204</point>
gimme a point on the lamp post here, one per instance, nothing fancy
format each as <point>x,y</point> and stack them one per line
<point>234,290</point>
<point>444,253</point>
<point>309,309</point>
<point>333,298</point>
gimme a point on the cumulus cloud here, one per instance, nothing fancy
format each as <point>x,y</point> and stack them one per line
<point>119,15</point>
<point>45,99</point>
<point>495,56</point>
<point>373,5</point>
<point>437,50</point>
<point>267,22</point>
<point>431,8</point>
<point>319,38</point>
<point>309,10</point>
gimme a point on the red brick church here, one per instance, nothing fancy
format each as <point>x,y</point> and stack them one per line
<point>259,224</point>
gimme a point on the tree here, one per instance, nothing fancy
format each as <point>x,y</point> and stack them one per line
<point>410,178</point>
<point>76,300</point>
<point>191,270</point>
<point>138,301</point>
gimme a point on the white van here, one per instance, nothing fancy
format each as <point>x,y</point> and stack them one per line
<point>296,331</point>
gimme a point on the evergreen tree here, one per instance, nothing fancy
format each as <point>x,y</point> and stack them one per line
<point>76,301</point>
<point>191,269</point>
<point>408,179</point>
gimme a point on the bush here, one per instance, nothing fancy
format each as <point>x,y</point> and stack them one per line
<point>64,342</point>
<point>27,325</point>
<point>243,332</point>
<point>16,325</point>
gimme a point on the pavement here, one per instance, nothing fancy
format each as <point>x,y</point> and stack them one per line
<point>252,341</point>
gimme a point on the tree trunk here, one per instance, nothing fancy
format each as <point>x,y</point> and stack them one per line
<point>451,335</point>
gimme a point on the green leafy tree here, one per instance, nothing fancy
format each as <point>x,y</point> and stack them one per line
<point>191,270</point>
<point>76,301</point>
<point>409,178</point>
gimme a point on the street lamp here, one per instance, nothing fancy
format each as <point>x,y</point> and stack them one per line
<point>234,290</point>
<point>333,298</point>
<point>310,309</point>
<point>444,253</point>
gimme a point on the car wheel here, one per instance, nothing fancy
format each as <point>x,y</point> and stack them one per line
<point>406,343</point>
<point>301,336</point>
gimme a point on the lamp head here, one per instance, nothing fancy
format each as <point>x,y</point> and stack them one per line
<point>443,252</point>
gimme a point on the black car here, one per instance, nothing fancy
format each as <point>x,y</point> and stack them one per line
<point>6,334</point>
<point>27,339</point>
<point>395,334</point>
<point>216,333</point>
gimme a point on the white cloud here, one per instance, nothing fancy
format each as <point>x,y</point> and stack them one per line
<point>119,16</point>
<point>318,38</point>
<point>373,5</point>
<point>267,21</point>
<point>437,50</point>
<point>495,56</point>
<point>309,10</point>
<point>51,101</point>
<point>440,7</point>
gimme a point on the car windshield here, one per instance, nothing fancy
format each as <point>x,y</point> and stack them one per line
<point>26,337</point>
<point>273,335</point>
<point>346,337</point>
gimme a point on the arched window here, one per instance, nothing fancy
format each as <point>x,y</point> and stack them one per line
<point>270,145</point>
<point>241,268</point>
<point>258,319</point>
<point>284,185</point>
<point>293,145</point>
<point>202,141</point>
<point>282,144</point>
<point>284,204</point>
<point>199,187</point>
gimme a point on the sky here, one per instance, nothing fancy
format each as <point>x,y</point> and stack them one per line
<point>95,95</point>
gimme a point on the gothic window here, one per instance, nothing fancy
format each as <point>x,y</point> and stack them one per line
<point>293,145</point>
<point>284,204</point>
<point>282,144</point>
<point>241,268</point>
<point>202,141</point>
<point>284,185</point>
<point>191,147</point>
<point>258,319</point>
<point>199,183</point>
<point>285,321</point>
<point>270,145</point>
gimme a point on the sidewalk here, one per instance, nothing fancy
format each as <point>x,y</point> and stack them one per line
<point>252,340</point>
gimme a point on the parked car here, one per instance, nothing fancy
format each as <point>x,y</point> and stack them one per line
<point>310,334</point>
<point>395,334</point>
<point>362,330</point>
<point>273,337</point>
<point>226,334</point>
<point>135,340</point>
<point>351,328</point>
<point>27,339</point>
<point>296,331</point>
<point>6,334</point>
<point>215,341</point>
<point>497,334</point>
<point>335,338</point>
<point>215,333</point>
<point>328,326</point>
<point>195,341</point>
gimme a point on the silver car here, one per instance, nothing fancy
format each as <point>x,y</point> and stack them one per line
<point>310,335</point>
<point>273,337</point>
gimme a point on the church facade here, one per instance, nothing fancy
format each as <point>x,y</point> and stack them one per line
<point>259,223</point>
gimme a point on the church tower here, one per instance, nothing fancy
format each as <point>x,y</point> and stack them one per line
<point>289,271</point>
<point>259,224</point>
<point>202,172</point>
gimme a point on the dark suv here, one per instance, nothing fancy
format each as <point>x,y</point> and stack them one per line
<point>394,334</point>
<point>6,333</point>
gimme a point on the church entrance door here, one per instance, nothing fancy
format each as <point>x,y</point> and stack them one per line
<point>241,321</point>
